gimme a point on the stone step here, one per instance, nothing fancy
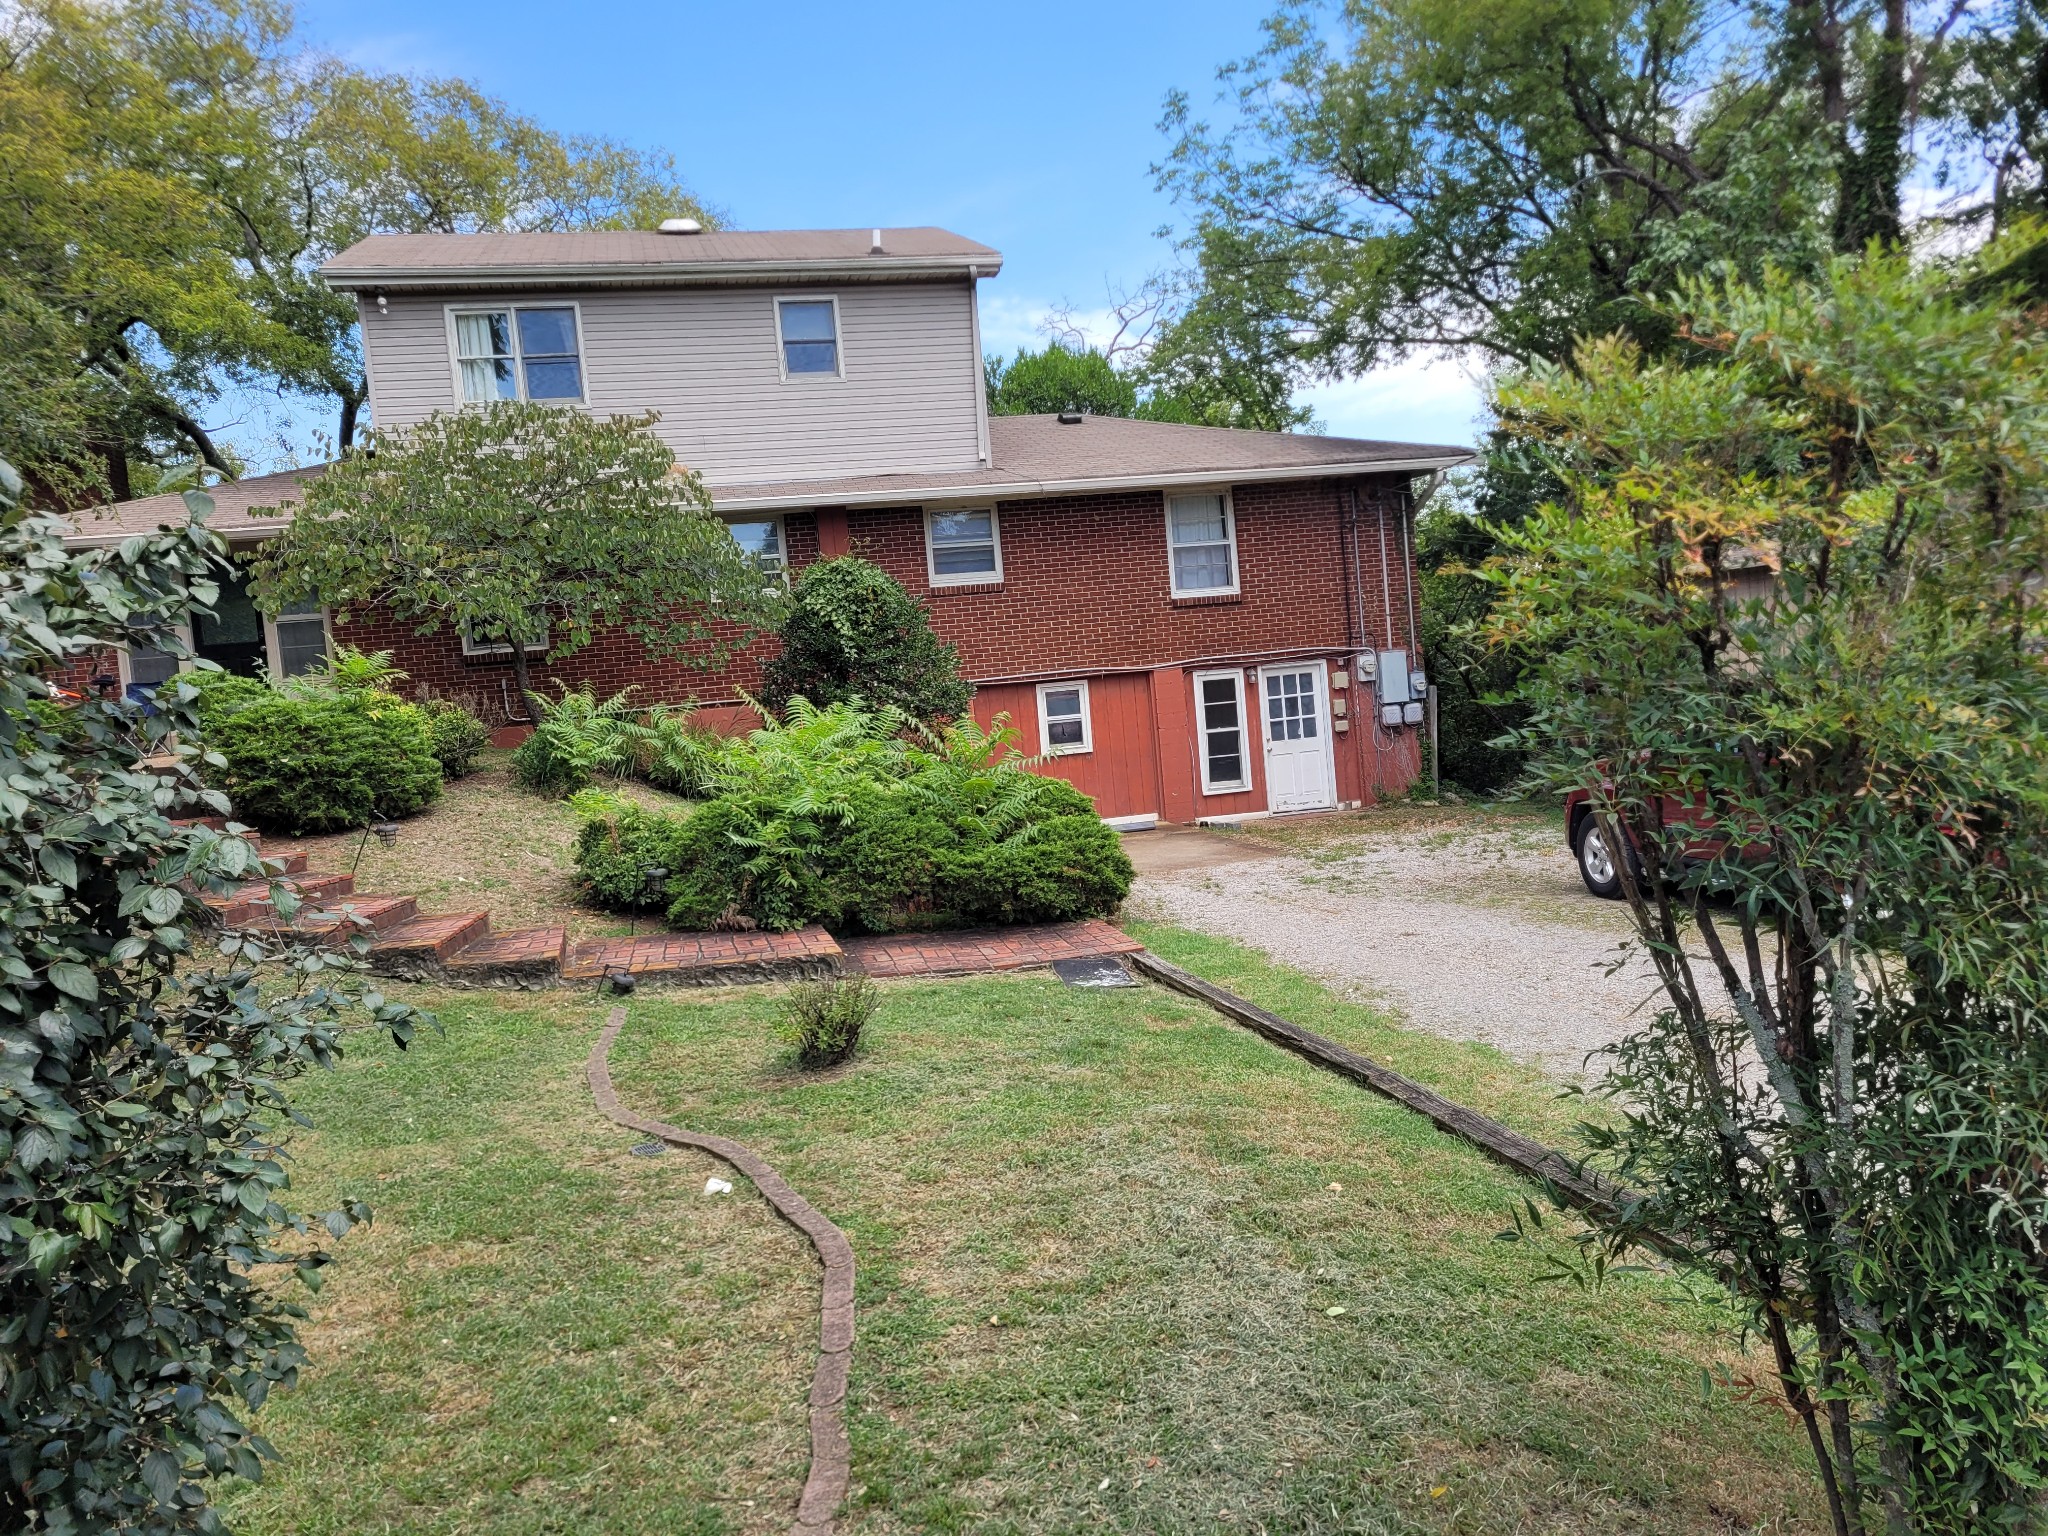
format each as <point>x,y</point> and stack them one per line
<point>419,948</point>
<point>250,903</point>
<point>518,957</point>
<point>707,959</point>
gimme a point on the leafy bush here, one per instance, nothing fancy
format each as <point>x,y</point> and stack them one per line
<point>577,738</point>
<point>458,736</point>
<point>145,1309</point>
<point>346,670</point>
<point>853,635</point>
<point>217,695</point>
<point>322,764</point>
<point>832,816</point>
<point>615,849</point>
<point>823,1020</point>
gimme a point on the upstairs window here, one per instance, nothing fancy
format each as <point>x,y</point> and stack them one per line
<point>1201,544</point>
<point>962,547</point>
<point>809,331</point>
<point>519,353</point>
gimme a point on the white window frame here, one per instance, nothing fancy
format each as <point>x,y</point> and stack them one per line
<point>1210,785</point>
<point>472,647</point>
<point>127,674</point>
<point>1087,742</point>
<point>838,338</point>
<point>274,654</point>
<point>781,534</point>
<point>964,578</point>
<point>1229,539</point>
<point>508,308</point>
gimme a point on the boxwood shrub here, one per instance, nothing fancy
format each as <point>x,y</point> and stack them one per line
<point>314,764</point>
<point>458,736</point>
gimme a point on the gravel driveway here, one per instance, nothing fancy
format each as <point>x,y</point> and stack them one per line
<point>1470,924</point>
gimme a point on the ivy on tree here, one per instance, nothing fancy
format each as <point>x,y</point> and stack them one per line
<point>143,1192</point>
<point>853,635</point>
<point>530,525</point>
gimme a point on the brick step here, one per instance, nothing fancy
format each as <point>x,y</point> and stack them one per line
<point>293,859</point>
<point>382,913</point>
<point>419,948</point>
<point>251,902</point>
<point>518,957</point>
<point>707,959</point>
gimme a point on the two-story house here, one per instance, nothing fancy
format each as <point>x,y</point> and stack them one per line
<point>1189,622</point>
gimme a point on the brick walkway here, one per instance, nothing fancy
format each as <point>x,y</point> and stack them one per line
<point>986,949</point>
<point>707,959</point>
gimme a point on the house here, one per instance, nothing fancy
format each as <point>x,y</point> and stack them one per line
<point>1189,622</point>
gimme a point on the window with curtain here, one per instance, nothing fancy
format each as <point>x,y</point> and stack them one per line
<point>1202,544</point>
<point>523,353</point>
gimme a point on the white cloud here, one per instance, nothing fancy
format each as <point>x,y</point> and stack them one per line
<point>1430,398</point>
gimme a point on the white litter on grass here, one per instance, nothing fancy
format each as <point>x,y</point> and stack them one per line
<point>716,1186</point>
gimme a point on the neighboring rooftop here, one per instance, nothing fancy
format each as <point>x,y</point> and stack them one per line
<point>634,256</point>
<point>1034,456</point>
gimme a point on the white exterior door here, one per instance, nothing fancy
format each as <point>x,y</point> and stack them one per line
<point>1300,769</point>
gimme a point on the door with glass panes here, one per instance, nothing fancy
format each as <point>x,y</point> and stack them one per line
<point>1300,768</point>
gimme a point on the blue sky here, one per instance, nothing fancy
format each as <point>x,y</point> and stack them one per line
<point>1031,127</point>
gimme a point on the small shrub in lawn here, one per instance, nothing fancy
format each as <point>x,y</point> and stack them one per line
<point>322,764</point>
<point>616,848</point>
<point>458,736</point>
<point>822,1020</point>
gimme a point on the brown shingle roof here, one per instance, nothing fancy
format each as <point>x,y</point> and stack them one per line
<point>233,515</point>
<point>1034,455</point>
<point>636,255</point>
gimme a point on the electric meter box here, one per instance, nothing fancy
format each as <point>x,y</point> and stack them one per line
<point>1393,669</point>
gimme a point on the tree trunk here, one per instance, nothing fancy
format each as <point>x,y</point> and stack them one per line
<point>1873,168</point>
<point>522,681</point>
<point>351,408</point>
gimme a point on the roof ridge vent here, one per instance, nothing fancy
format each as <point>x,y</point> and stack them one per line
<point>1070,418</point>
<point>681,227</point>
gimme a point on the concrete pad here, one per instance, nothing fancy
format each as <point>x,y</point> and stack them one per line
<point>1172,850</point>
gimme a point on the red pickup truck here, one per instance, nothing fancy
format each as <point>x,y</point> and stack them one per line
<point>1597,866</point>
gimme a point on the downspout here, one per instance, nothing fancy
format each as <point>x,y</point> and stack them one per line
<point>1408,576</point>
<point>980,368</point>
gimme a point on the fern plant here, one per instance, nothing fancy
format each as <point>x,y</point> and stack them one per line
<point>579,737</point>
<point>346,670</point>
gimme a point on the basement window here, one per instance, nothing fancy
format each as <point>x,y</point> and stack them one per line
<point>1063,724</point>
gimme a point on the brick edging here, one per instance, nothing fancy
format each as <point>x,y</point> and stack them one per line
<point>831,1455</point>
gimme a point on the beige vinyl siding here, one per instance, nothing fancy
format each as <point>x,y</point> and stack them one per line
<point>708,361</point>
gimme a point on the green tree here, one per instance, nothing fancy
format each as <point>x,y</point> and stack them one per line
<point>853,635</point>
<point>1058,378</point>
<point>143,1185</point>
<point>524,524</point>
<point>1512,176</point>
<point>171,177</point>
<point>1843,1108</point>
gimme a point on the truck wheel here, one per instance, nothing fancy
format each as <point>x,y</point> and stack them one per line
<point>1596,861</point>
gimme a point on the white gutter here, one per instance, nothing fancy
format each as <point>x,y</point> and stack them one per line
<point>980,368</point>
<point>546,274</point>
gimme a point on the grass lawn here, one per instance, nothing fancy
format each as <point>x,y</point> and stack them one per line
<point>485,845</point>
<point>1101,1271</point>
